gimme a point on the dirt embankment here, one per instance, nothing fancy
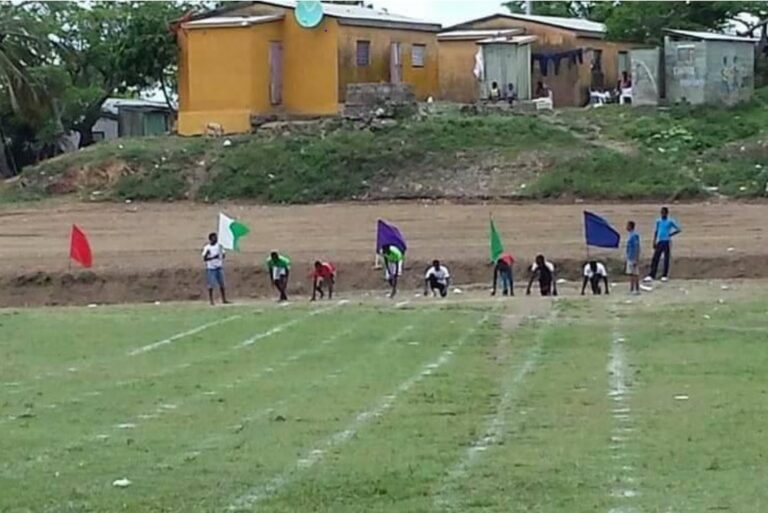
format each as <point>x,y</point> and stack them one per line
<point>151,252</point>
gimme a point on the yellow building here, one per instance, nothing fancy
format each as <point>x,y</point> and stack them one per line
<point>253,59</point>
<point>570,56</point>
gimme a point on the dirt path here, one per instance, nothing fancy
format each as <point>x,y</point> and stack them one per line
<point>152,251</point>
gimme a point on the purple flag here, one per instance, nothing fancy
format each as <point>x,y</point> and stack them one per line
<point>387,234</point>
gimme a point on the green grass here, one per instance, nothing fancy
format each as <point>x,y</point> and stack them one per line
<point>375,408</point>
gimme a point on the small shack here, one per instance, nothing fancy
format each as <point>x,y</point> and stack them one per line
<point>708,68</point>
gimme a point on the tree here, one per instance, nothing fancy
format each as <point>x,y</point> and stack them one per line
<point>106,49</point>
<point>20,48</point>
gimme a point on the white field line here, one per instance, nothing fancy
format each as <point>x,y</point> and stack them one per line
<point>209,442</point>
<point>174,368</point>
<point>259,493</point>
<point>282,327</point>
<point>494,433</point>
<point>619,391</point>
<point>170,340</point>
<point>172,406</point>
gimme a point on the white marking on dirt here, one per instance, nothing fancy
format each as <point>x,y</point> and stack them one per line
<point>170,340</point>
<point>619,391</point>
<point>315,456</point>
<point>495,431</point>
<point>403,303</point>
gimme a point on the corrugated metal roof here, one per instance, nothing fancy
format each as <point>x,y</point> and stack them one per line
<point>232,21</point>
<point>355,12</point>
<point>477,34</point>
<point>577,24</point>
<point>711,36</point>
<point>519,40</point>
<point>112,105</point>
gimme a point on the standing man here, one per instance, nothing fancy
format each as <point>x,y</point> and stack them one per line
<point>324,273</point>
<point>544,270</point>
<point>213,256</point>
<point>279,269</point>
<point>503,270</point>
<point>666,228</point>
<point>437,279</point>
<point>633,258</point>
<point>393,266</point>
<point>594,273</point>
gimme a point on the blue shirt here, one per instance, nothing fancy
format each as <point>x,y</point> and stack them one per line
<point>665,228</point>
<point>633,246</point>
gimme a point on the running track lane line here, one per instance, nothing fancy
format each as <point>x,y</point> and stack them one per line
<point>494,430</point>
<point>282,327</point>
<point>179,336</point>
<point>258,493</point>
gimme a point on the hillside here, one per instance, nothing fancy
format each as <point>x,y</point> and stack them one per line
<point>608,153</point>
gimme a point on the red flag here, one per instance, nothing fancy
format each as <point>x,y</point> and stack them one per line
<point>79,248</point>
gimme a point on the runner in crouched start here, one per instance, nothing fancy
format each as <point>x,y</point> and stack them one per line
<point>545,272</point>
<point>437,279</point>
<point>594,274</point>
<point>279,270</point>
<point>323,274</point>
<point>503,271</point>
<point>393,266</point>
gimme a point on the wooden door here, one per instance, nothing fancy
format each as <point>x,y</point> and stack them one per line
<point>395,64</point>
<point>276,73</point>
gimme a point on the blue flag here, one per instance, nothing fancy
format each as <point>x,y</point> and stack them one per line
<point>388,234</point>
<point>599,232</point>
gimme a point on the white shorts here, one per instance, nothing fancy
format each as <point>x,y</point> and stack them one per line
<point>393,269</point>
<point>278,272</point>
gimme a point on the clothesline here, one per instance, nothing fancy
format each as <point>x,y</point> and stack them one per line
<point>573,56</point>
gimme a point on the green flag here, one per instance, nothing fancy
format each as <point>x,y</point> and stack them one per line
<point>230,232</point>
<point>497,248</point>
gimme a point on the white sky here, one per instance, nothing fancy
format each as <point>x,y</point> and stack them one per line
<point>447,12</point>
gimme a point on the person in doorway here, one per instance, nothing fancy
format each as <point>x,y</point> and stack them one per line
<point>502,270</point>
<point>544,270</point>
<point>213,256</point>
<point>323,274</point>
<point>393,266</point>
<point>632,255</point>
<point>541,91</point>
<point>511,94</point>
<point>279,267</point>
<point>666,229</point>
<point>437,279</point>
<point>495,94</point>
<point>595,273</point>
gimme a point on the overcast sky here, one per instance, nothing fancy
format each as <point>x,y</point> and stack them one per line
<point>447,12</point>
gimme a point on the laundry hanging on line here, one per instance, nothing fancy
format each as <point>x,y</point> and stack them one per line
<point>573,56</point>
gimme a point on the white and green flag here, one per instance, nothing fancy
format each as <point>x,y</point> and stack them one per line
<point>230,232</point>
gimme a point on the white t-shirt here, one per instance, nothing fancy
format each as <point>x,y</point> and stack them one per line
<point>441,274</point>
<point>217,253</point>
<point>601,271</point>
<point>547,263</point>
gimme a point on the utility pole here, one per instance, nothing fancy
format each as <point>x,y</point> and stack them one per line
<point>529,7</point>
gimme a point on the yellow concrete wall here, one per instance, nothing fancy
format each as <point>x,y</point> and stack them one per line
<point>457,80</point>
<point>425,80</point>
<point>224,76</point>
<point>310,64</point>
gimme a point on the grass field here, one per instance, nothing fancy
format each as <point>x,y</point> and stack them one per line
<point>604,405</point>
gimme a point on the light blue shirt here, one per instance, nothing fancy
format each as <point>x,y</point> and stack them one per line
<point>665,228</point>
<point>633,247</point>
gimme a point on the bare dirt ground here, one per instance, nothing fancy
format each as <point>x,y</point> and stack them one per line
<point>148,252</point>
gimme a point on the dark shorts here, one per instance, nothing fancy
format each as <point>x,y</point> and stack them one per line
<point>214,277</point>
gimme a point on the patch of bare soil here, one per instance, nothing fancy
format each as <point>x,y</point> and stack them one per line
<point>151,252</point>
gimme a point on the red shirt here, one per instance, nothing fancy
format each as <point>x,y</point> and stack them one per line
<point>507,259</point>
<point>325,271</point>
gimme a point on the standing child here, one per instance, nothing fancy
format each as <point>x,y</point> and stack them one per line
<point>279,270</point>
<point>213,256</point>
<point>666,228</point>
<point>633,258</point>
